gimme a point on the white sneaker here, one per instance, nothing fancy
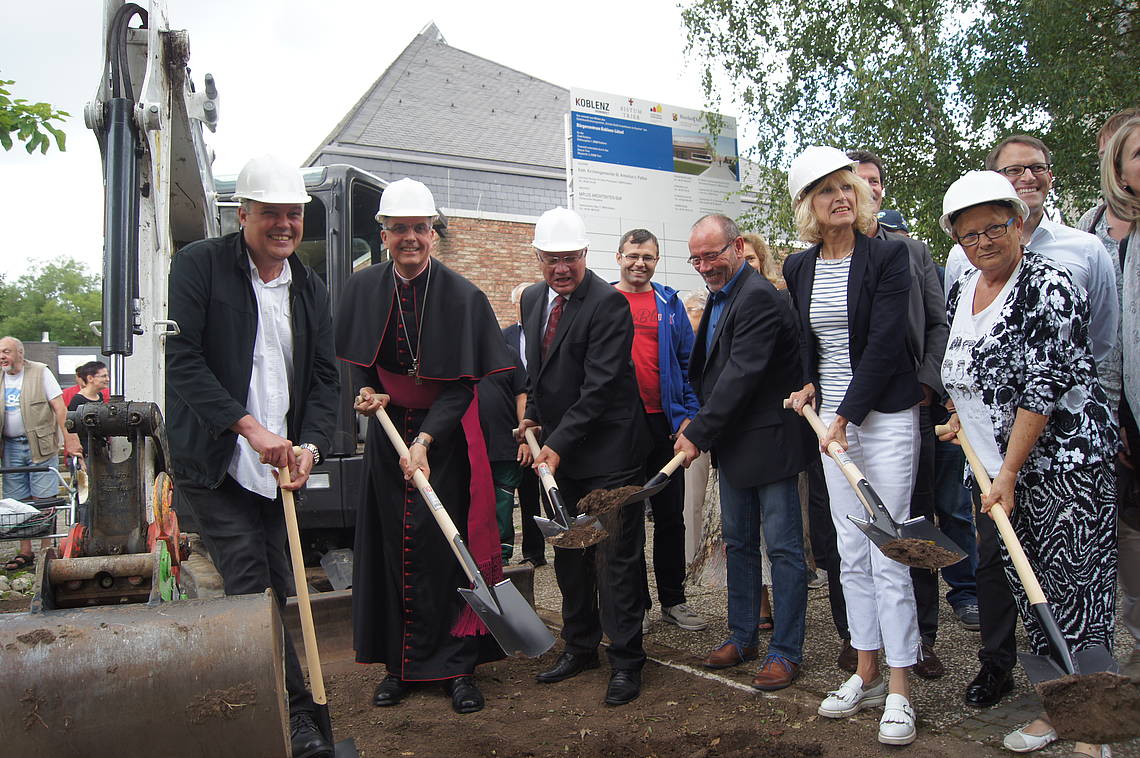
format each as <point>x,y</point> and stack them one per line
<point>896,727</point>
<point>851,697</point>
<point>682,615</point>
<point>1021,741</point>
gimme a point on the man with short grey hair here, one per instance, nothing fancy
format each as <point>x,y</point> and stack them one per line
<point>33,424</point>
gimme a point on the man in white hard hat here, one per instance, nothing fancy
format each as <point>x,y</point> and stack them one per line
<point>583,393</point>
<point>417,337</point>
<point>1027,163</point>
<point>662,342</point>
<point>249,375</point>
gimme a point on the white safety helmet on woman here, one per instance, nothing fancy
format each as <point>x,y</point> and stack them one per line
<point>269,179</point>
<point>979,188</point>
<point>814,163</point>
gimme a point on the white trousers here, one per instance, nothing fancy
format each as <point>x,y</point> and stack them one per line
<point>880,598</point>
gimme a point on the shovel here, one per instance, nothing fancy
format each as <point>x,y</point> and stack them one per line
<point>604,501</point>
<point>509,617</point>
<point>562,530</point>
<point>344,748</point>
<point>915,542</point>
<point>1078,689</point>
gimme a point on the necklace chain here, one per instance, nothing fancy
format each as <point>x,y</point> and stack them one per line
<point>415,369</point>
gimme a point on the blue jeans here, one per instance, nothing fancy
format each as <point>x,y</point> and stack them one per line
<point>956,519</point>
<point>744,511</point>
<point>24,485</point>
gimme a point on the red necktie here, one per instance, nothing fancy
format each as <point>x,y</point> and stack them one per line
<point>552,324</point>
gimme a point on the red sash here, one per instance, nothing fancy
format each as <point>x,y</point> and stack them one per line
<point>482,526</point>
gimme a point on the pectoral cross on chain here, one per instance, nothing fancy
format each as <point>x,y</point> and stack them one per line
<point>415,370</point>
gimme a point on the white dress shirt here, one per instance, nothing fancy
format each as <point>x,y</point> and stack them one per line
<point>1088,263</point>
<point>269,383</point>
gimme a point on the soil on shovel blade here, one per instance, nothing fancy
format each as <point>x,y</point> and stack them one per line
<point>919,553</point>
<point>604,501</point>
<point>1096,708</point>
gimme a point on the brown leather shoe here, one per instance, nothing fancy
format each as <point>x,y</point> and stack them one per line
<point>776,673</point>
<point>848,659</point>
<point>729,654</point>
<point>930,667</point>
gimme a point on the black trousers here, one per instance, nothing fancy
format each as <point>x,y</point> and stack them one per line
<point>533,543</point>
<point>925,581</point>
<point>821,531</point>
<point>245,534</point>
<point>996,607</point>
<point>602,588</point>
<point>668,521</point>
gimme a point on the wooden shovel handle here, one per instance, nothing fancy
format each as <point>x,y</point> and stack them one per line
<point>1016,554</point>
<point>838,454</point>
<point>673,463</point>
<point>421,482</point>
<point>308,629</point>
<point>544,474</point>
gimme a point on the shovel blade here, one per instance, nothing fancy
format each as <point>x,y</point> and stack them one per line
<point>921,529</point>
<point>549,527</point>
<point>346,749</point>
<point>874,532</point>
<point>510,619</point>
<point>652,487</point>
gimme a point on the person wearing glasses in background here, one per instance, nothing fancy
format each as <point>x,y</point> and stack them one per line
<point>662,342</point>
<point>583,393</point>
<point>1025,162</point>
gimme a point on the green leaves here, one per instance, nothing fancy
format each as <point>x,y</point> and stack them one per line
<point>929,85</point>
<point>60,297</point>
<point>26,120</point>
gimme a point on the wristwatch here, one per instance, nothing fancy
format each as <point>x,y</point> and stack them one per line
<point>312,449</point>
<point>421,439</point>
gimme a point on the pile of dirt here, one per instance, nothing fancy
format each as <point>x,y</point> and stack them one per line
<point>603,501</point>
<point>920,553</point>
<point>579,537</point>
<point>1097,708</point>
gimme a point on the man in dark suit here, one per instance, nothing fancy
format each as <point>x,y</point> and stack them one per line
<point>583,393</point>
<point>533,544</point>
<point>745,362</point>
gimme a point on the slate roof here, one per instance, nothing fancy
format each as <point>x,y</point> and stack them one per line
<point>472,124</point>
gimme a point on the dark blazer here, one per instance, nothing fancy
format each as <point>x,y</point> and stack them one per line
<point>585,393</point>
<point>742,382</point>
<point>883,376</point>
<point>511,335</point>
<point>209,363</point>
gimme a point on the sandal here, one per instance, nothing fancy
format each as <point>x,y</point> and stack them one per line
<point>765,624</point>
<point>20,562</point>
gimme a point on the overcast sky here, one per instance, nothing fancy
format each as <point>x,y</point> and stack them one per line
<point>287,71</point>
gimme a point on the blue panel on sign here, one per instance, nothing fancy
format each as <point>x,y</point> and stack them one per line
<point>625,143</point>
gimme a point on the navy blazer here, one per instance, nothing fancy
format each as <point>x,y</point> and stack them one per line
<point>742,381</point>
<point>883,376</point>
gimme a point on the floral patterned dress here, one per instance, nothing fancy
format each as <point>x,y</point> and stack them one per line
<point>1036,356</point>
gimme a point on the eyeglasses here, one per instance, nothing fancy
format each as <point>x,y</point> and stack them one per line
<point>402,229</point>
<point>1012,172</point>
<point>634,258</point>
<point>997,231</point>
<point>554,260</point>
<point>695,260</point>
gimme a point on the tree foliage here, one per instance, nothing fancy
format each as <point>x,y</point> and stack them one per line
<point>930,85</point>
<point>30,123</point>
<point>60,298</point>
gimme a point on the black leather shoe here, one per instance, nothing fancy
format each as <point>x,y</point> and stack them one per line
<point>306,740</point>
<point>389,692</point>
<point>625,685</point>
<point>465,696</point>
<point>568,665</point>
<point>534,560</point>
<point>989,686</point>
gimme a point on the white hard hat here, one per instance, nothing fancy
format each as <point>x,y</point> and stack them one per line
<point>268,179</point>
<point>560,230</point>
<point>814,163</point>
<point>979,188</point>
<point>407,198</point>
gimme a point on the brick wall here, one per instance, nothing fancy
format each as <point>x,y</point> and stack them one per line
<point>493,255</point>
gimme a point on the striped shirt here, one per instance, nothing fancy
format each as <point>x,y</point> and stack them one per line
<point>828,315</point>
